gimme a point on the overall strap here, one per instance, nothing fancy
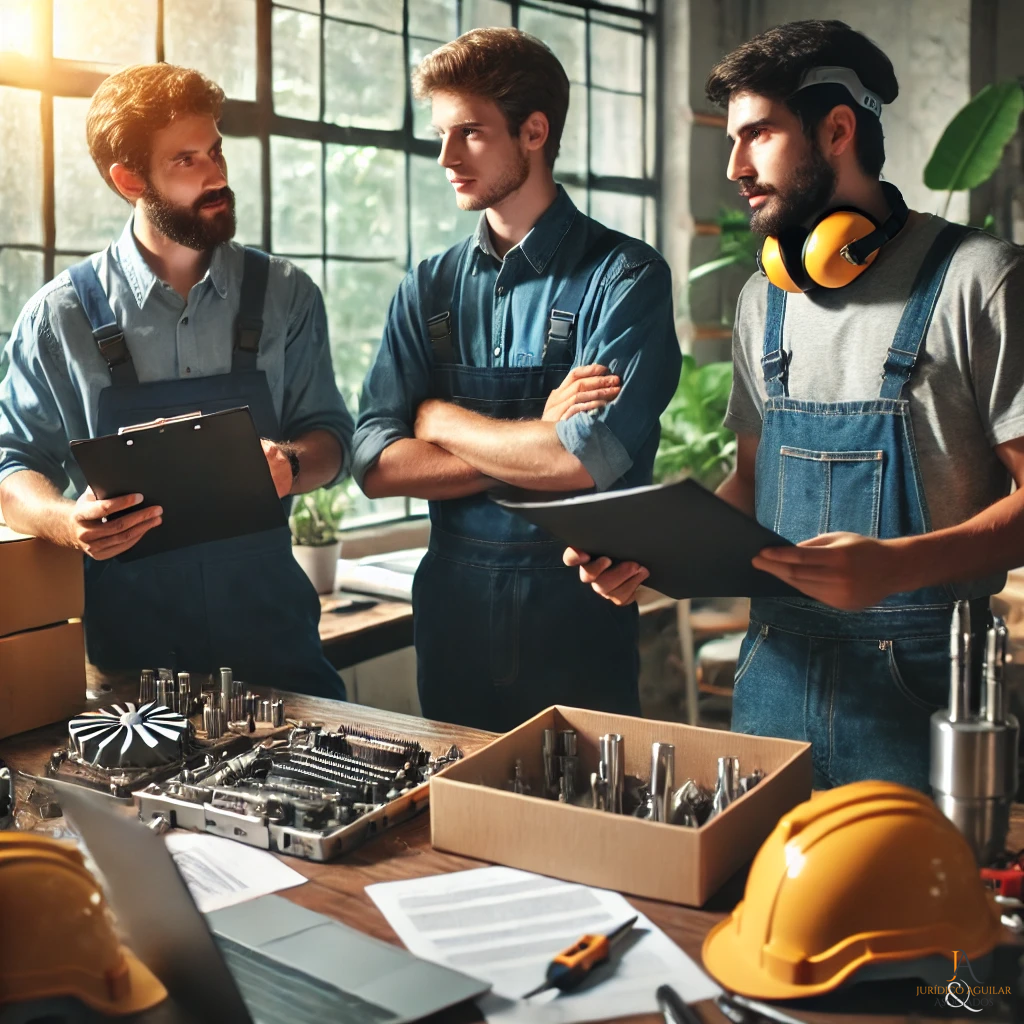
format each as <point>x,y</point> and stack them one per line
<point>775,361</point>
<point>917,314</point>
<point>441,326</point>
<point>249,322</point>
<point>560,342</point>
<point>106,333</point>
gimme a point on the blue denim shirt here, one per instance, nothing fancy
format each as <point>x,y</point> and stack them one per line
<point>626,323</point>
<point>50,394</point>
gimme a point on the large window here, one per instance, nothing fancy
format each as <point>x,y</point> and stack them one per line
<point>332,161</point>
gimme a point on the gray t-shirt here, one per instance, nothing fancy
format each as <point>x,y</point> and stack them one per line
<point>967,390</point>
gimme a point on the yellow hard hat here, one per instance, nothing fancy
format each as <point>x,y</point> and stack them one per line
<point>863,874</point>
<point>57,935</point>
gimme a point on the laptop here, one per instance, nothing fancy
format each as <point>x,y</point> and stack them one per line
<point>266,961</point>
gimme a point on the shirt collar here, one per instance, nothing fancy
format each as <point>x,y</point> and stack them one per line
<point>543,239</point>
<point>140,276</point>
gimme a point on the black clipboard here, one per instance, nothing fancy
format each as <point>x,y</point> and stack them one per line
<point>208,473</point>
<point>694,543</point>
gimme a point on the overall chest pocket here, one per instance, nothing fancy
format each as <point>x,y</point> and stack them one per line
<point>827,492</point>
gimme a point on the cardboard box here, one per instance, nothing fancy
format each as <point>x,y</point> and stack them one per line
<point>40,583</point>
<point>42,677</point>
<point>471,814</point>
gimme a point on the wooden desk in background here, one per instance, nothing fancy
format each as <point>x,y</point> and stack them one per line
<point>338,889</point>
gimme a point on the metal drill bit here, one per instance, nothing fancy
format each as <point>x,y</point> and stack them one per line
<point>147,691</point>
<point>277,713</point>
<point>663,780</point>
<point>265,711</point>
<point>227,678</point>
<point>993,697</point>
<point>960,663</point>
<point>184,693</point>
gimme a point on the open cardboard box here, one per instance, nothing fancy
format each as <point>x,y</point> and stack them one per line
<point>471,813</point>
<point>40,583</point>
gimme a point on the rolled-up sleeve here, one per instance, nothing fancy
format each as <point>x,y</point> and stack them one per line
<point>33,432</point>
<point>398,380</point>
<point>312,400</point>
<point>635,337</point>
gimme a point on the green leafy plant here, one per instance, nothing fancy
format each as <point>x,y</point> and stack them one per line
<point>737,245</point>
<point>972,145</point>
<point>316,516</point>
<point>693,440</point>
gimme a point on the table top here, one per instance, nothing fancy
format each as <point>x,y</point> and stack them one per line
<point>338,889</point>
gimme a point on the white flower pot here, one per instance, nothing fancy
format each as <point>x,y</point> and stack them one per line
<point>320,564</point>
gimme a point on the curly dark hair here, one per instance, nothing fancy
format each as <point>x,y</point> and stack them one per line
<point>772,64</point>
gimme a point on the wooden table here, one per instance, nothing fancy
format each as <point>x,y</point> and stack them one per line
<point>338,889</point>
<point>351,637</point>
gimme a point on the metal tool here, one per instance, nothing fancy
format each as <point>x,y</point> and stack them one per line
<point>727,789</point>
<point>518,783</point>
<point>597,792</point>
<point>277,713</point>
<point>6,796</point>
<point>612,769</point>
<point>691,804</point>
<point>184,694</point>
<point>748,782</point>
<point>974,770</point>
<point>227,678</point>
<point>663,780</point>
<point>549,755</point>
<point>147,689</point>
<point>673,1008</point>
<point>741,1010</point>
<point>574,964</point>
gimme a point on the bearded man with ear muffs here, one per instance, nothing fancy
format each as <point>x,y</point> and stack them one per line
<point>879,412</point>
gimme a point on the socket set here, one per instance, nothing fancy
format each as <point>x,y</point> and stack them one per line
<point>315,794</point>
<point>125,746</point>
<point>611,790</point>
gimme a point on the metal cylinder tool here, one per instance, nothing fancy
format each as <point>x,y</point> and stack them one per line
<point>612,769</point>
<point>974,771</point>
<point>663,780</point>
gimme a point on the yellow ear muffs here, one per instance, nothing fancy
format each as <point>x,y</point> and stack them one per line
<point>823,258</point>
<point>780,261</point>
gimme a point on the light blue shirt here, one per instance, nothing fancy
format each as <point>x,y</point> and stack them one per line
<point>625,323</point>
<point>50,395</point>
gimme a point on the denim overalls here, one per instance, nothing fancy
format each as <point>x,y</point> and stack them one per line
<point>502,628</point>
<point>860,686</point>
<point>243,602</point>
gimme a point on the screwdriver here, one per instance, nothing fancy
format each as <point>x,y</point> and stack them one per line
<point>574,964</point>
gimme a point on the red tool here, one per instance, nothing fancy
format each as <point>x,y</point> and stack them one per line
<point>1008,878</point>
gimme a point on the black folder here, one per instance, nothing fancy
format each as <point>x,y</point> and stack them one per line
<point>694,543</point>
<point>208,473</point>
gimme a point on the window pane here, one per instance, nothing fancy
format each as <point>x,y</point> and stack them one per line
<point>617,144</point>
<point>437,222</point>
<point>296,221</point>
<point>382,13</point>
<point>296,64</point>
<point>421,110</point>
<point>616,58</point>
<point>366,202</point>
<point>485,14</point>
<point>21,167</point>
<point>577,195</point>
<point>313,6</point>
<point>315,269</point>
<point>97,30</point>
<point>88,213</point>
<point>567,37</point>
<point>243,157</point>
<point>651,108</point>
<point>17,27</point>
<point>650,222</point>
<point>365,77</point>
<point>61,262</point>
<point>572,154</point>
<point>618,211</point>
<point>357,297</point>
<point>434,19</point>
<point>21,276</point>
<point>232,62</point>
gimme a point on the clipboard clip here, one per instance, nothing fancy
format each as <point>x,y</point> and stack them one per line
<point>160,421</point>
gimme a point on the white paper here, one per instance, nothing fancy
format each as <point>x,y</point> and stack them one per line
<point>504,926</point>
<point>388,575</point>
<point>220,872</point>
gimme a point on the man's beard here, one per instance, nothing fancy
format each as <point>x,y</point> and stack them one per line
<point>187,225</point>
<point>512,180</point>
<point>806,193</point>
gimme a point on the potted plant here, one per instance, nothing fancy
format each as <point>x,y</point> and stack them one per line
<point>314,522</point>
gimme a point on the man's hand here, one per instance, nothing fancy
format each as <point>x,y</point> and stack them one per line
<point>843,570</point>
<point>280,467</point>
<point>585,388</point>
<point>99,536</point>
<point>616,581</point>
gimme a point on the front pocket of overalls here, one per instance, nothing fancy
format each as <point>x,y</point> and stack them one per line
<point>504,632</point>
<point>828,492</point>
<point>747,651</point>
<point>920,670</point>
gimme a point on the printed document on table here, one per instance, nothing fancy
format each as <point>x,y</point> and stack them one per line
<point>504,926</point>
<point>220,872</point>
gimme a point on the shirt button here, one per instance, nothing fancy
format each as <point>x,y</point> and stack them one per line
<point>184,321</point>
<point>497,351</point>
<point>188,369</point>
<point>501,290</point>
